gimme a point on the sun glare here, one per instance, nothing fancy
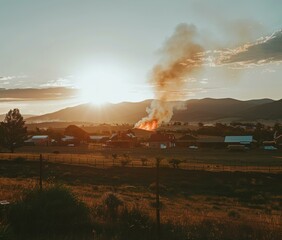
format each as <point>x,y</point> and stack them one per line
<point>102,84</point>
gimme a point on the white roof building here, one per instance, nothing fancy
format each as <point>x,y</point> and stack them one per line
<point>40,137</point>
<point>239,139</point>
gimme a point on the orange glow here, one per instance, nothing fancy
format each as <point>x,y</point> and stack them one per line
<point>148,125</point>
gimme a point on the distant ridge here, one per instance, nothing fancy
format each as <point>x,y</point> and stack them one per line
<point>207,109</point>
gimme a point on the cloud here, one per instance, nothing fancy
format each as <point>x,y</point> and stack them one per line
<point>8,78</point>
<point>34,94</point>
<point>60,82</point>
<point>263,51</point>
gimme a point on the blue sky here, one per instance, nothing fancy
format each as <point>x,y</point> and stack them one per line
<point>81,44</point>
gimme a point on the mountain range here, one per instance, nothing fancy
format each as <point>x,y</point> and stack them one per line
<point>202,110</point>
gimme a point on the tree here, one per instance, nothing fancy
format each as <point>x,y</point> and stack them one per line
<point>200,125</point>
<point>78,133</point>
<point>13,130</point>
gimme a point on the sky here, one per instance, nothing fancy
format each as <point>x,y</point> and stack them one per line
<point>60,53</point>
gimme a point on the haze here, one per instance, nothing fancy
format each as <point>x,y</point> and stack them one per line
<point>72,52</point>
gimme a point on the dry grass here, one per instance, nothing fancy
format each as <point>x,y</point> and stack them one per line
<point>203,159</point>
<point>188,197</point>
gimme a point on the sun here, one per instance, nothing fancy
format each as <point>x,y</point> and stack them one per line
<point>102,83</point>
<point>95,91</point>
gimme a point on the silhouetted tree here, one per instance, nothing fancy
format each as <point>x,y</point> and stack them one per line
<point>80,134</point>
<point>200,124</point>
<point>12,130</point>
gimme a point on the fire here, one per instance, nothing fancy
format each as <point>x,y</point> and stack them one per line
<point>180,57</point>
<point>149,125</point>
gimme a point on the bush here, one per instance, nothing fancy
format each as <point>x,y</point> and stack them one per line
<point>111,202</point>
<point>5,232</point>
<point>125,162</point>
<point>175,163</point>
<point>135,225</point>
<point>144,161</point>
<point>53,211</point>
<point>233,214</point>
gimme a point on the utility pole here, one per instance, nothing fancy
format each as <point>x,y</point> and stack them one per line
<point>158,218</point>
<point>40,171</point>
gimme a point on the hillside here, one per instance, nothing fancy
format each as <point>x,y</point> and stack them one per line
<point>109,113</point>
<point>272,110</point>
<point>207,109</point>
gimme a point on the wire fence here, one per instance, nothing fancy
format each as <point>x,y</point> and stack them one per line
<point>100,161</point>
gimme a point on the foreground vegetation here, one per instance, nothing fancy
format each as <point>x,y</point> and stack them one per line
<point>118,203</point>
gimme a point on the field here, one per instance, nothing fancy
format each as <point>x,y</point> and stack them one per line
<point>202,159</point>
<point>216,185</point>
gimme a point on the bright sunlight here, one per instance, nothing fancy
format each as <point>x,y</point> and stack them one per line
<point>101,84</point>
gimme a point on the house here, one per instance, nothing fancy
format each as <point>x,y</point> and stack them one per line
<point>247,141</point>
<point>278,141</point>
<point>161,140</point>
<point>69,141</point>
<point>122,139</point>
<point>186,141</point>
<point>97,142</point>
<point>98,139</point>
<point>38,140</point>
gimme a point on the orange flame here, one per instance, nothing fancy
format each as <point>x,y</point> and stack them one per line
<point>149,125</point>
<point>181,56</point>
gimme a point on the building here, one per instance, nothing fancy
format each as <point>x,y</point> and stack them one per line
<point>69,141</point>
<point>278,141</point>
<point>38,140</point>
<point>186,141</point>
<point>98,139</point>
<point>122,140</point>
<point>161,140</point>
<point>247,141</point>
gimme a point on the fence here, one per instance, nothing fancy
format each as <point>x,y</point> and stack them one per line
<point>100,161</point>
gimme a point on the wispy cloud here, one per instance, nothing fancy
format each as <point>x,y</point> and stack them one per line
<point>8,78</point>
<point>33,94</point>
<point>60,82</point>
<point>264,51</point>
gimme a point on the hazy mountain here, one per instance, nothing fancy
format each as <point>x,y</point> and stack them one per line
<point>272,110</point>
<point>125,112</point>
<point>207,109</point>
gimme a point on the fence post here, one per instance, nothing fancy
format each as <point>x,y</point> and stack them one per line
<point>158,219</point>
<point>40,171</point>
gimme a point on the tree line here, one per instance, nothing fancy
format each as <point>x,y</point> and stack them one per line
<point>13,131</point>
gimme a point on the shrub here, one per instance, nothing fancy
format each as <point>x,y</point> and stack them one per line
<point>144,161</point>
<point>125,162</point>
<point>5,232</point>
<point>233,214</point>
<point>133,224</point>
<point>174,163</point>
<point>111,202</point>
<point>53,211</point>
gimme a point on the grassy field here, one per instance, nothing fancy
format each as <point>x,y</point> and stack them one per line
<point>202,159</point>
<point>238,190</point>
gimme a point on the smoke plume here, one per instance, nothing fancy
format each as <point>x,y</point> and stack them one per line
<point>181,55</point>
